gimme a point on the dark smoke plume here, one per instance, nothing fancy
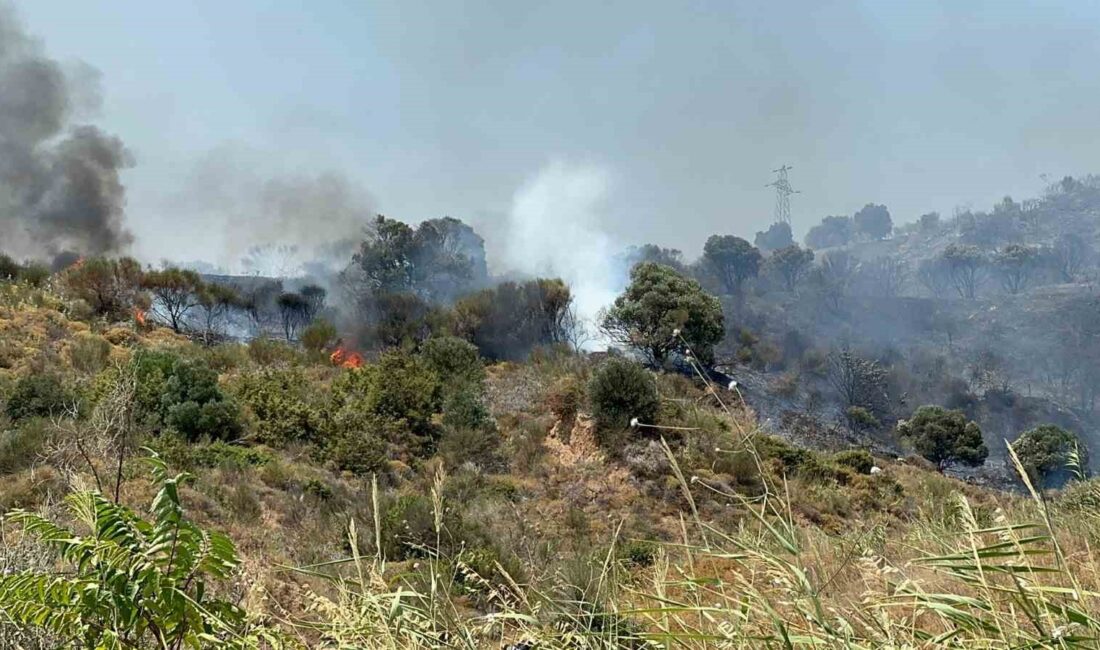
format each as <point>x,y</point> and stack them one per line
<point>59,182</point>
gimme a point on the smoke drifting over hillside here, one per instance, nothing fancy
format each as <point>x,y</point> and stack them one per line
<point>59,181</point>
<point>553,230</point>
<point>271,221</point>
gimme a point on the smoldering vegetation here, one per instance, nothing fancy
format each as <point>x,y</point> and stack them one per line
<point>60,189</point>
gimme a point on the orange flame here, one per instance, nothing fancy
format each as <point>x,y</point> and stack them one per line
<point>344,359</point>
<point>78,263</point>
<point>139,316</point>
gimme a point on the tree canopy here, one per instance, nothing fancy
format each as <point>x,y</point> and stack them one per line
<point>944,437</point>
<point>662,312</point>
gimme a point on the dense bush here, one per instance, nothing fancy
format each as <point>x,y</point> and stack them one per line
<point>455,361</point>
<point>318,335</point>
<point>466,409</point>
<point>1047,451</point>
<point>359,446</point>
<point>858,459</point>
<point>479,446</point>
<point>184,396</point>
<point>20,446</point>
<point>619,392</point>
<point>284,410</point>
<point>860,419</point>
<point>509,320</point>
<point>38,395</point>
<point>399,394</point>
<point>944,437</point>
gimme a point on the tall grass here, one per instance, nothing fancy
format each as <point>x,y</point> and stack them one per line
<point>1011,577</point>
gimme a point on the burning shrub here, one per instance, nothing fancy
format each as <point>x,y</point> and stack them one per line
<point>110,287</point>
<point>400,390</point>
<point>622,392</point>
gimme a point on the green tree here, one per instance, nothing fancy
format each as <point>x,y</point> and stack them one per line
<point>790,264</point>
<point>831,232</point>
<point>1047,451</point>
<point>873,221</point>
<point>777,236</point>
<point>732,259</point>
<point>127,583</point>
<point>662,312</point>
<point>175,293</point>
<point>944,437</point>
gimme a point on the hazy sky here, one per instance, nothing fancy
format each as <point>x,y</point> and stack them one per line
<point>447,108</point>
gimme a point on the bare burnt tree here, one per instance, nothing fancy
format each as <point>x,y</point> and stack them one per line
<point>934,275</point>
<point>1015,265</point>
<point>215,303</point>
<point>1071,254</point>
<point>859,382</point>
<point>175,293</point>
<point>885,276</point>
<point>294,312</point>
<point>965,265</point>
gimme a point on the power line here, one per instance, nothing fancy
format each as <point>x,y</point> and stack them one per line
<point>783,192</point>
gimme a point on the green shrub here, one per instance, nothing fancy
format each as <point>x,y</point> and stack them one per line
<point>620,392</point>
<point>183,395</point>
<point>269,352</point>
<point>38,395</point>
<point>361,452</point>
<point>860,460</point>
<point>318,336</point>
<point>466,409</point>
<point>944,437</point>
<point>1046,452</point>
<point>455,361</point>
<point>214,454</point>
<point>478,446</point>
<point>284,411</point>
<point>118,582</point>
<point>399,394</point>
<point>20,446</point>
<point>89,353</point>
<point>860,419</point>
<point>318,489</point>
<point>638,552</point>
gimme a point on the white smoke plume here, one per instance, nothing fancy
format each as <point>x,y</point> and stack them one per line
<point>554,229</point>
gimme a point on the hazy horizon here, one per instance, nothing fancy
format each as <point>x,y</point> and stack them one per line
<point>235,111</point>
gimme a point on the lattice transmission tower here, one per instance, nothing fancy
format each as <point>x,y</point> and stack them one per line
<point>783,192</point>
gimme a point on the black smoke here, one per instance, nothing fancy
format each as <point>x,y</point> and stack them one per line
<point>60,190</point>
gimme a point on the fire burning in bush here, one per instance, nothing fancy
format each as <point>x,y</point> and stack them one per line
<point>139,316</point>
<point>344,359</point>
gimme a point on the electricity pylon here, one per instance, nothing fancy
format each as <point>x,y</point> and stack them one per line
<point>783,192</point>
